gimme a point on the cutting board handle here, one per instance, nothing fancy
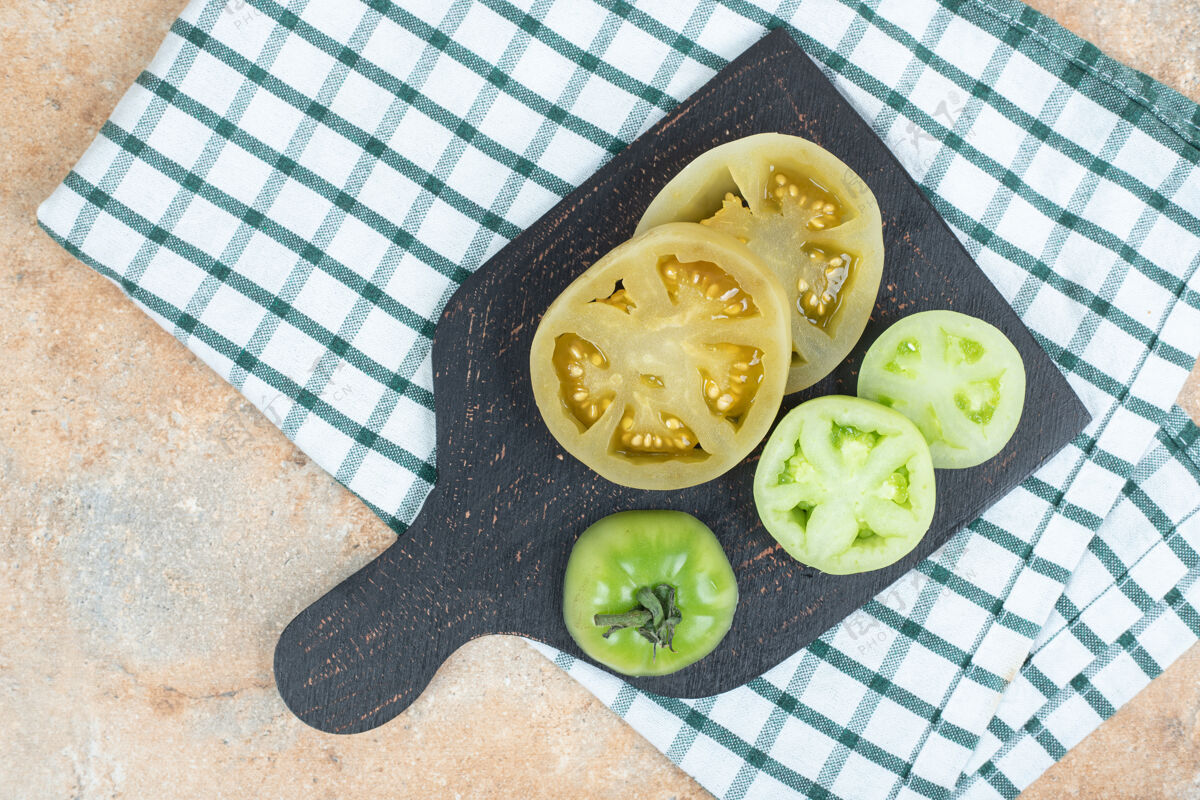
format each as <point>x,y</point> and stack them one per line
<point>362,653</point>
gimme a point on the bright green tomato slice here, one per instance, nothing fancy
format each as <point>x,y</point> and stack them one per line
<point>957,377</point>
<point>671,555</point>
<point>845,485</point>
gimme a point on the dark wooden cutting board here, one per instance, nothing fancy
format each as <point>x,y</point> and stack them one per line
<point>487,552</point>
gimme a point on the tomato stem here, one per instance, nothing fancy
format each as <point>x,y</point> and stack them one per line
<point>655,617</point>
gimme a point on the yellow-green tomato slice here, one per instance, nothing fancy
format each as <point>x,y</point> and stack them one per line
<point>663,364</point>
<point>957,377</point>
<point>630,551</point>
<point>809,217</point>
<point>845,485</point>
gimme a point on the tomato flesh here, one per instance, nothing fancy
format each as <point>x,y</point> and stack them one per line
<point>957,377</point>
<point>809,217</point>
<point>845,485</point>
<point>664,363</point>
<point>625,552</point>
<point>782,230</point>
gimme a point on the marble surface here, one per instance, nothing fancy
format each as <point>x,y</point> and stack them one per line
<point>156,532</point>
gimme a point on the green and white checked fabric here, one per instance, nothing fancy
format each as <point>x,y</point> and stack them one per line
<point>1132,607</point>
<point>295,188</point>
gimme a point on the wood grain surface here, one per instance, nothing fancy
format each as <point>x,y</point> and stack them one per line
<point>488,550</point>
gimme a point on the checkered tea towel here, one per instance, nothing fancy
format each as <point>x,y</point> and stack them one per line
<point>294,188</point>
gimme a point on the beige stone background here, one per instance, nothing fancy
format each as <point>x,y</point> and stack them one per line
<point>156,532</point>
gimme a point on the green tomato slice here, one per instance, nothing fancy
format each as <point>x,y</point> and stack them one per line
<point>632,551</point>
<point>663,364</point>
<point>809,217</point>
<point>845,485</point>
<point>957,377</point>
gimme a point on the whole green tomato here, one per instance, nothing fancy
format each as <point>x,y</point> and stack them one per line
<point>648,592</point>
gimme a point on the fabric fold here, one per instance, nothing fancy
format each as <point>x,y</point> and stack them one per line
<point>1128,612</point>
